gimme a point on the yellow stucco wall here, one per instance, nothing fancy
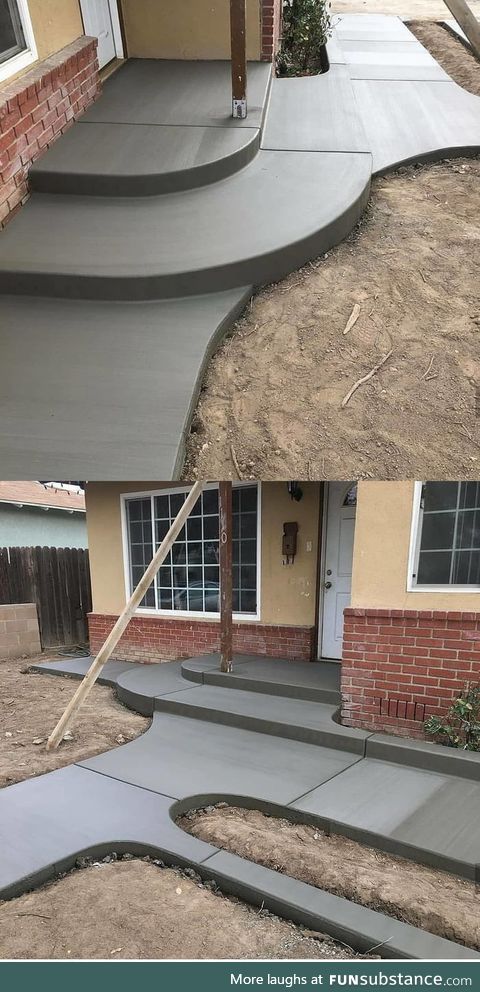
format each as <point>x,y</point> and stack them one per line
<point>55,24</point>
<point>381,552</point>
<point>185,29</point>
<point>287,592</point>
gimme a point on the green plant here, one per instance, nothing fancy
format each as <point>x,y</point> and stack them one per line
<point>461,727</point>
<point>306,28</point>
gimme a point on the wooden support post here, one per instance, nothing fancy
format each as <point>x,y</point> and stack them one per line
<point>115,634</point>
<point>226,592</point>
<point>467,21</point>
<point>238,32</point>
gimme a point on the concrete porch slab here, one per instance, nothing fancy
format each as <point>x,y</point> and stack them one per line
<point>165,91</point>
<point>78,667</point>
<point>227,760</point>
<point>318,681</point>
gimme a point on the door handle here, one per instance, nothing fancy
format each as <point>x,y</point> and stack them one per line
<point>328,585</point>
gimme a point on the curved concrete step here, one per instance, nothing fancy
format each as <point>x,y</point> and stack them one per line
<point>250,229</point>
<point>293,719</point>
<point>141,159</point>
<point>319,682</point>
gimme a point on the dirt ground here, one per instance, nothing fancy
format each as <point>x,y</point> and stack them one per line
<point>143,911</point>
<point>30,706</point>
<point>271,400</point>
<point>458,61</point>
<point>435,901</point>
<point>429,10</point>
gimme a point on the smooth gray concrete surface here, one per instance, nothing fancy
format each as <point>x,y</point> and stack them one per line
<point>49,821</point>
<point>262,222</point>
<point>227,760</point>
<point>296,679</point>
<point>99,378</point>
<point>293,719</point>
<point>127,800</point>
<point>78,667</point>
<point>141,159</point>
<point>315,113</point>
<point>107,388</point>
<point>406,121</point>
<point>353,924</point>
<point>425,755</point>
<point>417,810</point>
<point>165,91</point>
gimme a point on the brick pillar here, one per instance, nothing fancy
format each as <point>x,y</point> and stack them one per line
<point>271,26</point>
<point>400,667</point>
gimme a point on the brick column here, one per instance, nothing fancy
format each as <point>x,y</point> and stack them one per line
<point>271,26</point>
<point>38,107</point>
<point>400,667</point>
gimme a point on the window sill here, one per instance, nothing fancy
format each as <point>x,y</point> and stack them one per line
<point>15,65</point>
<point>192,615</point>
<point>445,589</point>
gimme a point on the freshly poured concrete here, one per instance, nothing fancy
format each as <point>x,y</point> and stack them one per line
<point>262,223</point>
<point>107,387</point>
<point>110,390</point>
<point>125,800</point>
<point>142,159</point>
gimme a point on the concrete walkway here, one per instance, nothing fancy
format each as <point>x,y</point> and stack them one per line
<point>213,738</point>
<point>159,200</point>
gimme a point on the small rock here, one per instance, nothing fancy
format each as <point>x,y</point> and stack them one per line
<point>39,740</point>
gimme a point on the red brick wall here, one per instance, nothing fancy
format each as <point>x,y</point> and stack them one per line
<point>271,16</point>
<point>149,639</point>
<point>401,666</point>
<point>36,108</point>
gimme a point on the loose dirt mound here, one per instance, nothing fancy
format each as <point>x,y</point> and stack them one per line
<point>31,705</point>
<point>439,903</point>
<point>135,910</point>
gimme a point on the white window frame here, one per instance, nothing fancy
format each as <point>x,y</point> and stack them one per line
<point>414,552</point>
<point>22,59</point>
<point>188,614</point>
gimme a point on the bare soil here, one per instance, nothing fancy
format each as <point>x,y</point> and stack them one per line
<point>133,909</point>
<point>429,10</point>
<point>437,902</point>
<point>270,406</point>
<point>30,706</point>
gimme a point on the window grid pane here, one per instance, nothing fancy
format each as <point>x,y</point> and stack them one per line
<point>189,579</point>
<point>450,540</point>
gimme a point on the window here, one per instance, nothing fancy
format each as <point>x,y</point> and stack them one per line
<point>17,44</point>
<point>448,545</point>
<point>189,579</point>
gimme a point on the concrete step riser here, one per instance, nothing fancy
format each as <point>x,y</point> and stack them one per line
<point>274,689</point>
<point>270,727</point>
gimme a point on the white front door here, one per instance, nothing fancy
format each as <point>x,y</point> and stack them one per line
<point>97,22</point>
<point>338,560</point>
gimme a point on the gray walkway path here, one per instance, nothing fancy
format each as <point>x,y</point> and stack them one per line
<point>410,798</point>
<point>211,206</point>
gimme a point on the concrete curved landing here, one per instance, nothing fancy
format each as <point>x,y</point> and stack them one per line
<point>262,222</point>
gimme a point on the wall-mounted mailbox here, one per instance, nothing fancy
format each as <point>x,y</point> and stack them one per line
<point>289,542</point>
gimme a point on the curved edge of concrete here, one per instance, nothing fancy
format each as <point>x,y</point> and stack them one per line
<point>47,177</point>
<point>429,158</point>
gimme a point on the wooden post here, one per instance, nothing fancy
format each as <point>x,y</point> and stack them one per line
<point>467,21</point>
<point>238,31</point>
<point>115,634</point>
<point>226,592</point>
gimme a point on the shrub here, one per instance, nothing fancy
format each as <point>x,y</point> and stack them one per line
<point>306,28</point>
<point>461,727</point>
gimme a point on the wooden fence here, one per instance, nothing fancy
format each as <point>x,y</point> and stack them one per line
<point>58,581</point>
